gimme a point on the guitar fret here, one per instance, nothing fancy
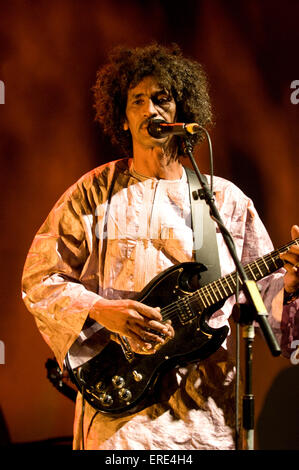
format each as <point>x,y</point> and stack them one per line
<point>223,287</point>
<point>208,294</point>
<point>239,279</point>
<point>215,294</point>
<point>232,277</point>
<point>267,267</point>
<point>273,260</point>
<point>251,271</point>
<point>228,284</point>
<point>202,301</point>
<point>216,284</point>
<point>212,292</point>
<point>258,268</point>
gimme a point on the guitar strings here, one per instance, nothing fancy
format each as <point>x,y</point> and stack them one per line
<point>170,312</point>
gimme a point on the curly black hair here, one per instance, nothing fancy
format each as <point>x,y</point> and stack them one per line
<point>184,78</point>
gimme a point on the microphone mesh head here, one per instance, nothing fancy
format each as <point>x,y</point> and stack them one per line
<point>154,129</point>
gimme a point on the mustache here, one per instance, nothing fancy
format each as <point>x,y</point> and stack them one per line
<point>146,122</point>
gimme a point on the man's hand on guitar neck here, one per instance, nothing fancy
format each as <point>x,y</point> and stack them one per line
<point>141,324</point>
<point>291,264</point>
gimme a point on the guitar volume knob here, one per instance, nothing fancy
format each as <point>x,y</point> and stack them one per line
<point>118,381</point>
<point>100,386</point>
<point>105,399</point>
<point>125,394</point>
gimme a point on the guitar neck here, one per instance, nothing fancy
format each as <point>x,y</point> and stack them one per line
<point>224,287</point>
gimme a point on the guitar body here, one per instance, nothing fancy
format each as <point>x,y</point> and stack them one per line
<point>120,382</point>
<point>117,383</point>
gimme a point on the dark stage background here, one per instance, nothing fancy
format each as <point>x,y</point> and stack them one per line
<point>49,54</point>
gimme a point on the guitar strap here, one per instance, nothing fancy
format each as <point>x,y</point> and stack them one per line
<point>204,232</point>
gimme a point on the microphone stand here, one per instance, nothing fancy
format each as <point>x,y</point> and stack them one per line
<point>245,314</point>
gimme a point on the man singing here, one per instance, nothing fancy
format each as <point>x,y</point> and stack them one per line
<point>125,222</point>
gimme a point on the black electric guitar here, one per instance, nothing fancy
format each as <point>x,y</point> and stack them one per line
<point>119,382</point>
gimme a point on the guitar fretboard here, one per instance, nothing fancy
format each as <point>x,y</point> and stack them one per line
<point>219,290</point>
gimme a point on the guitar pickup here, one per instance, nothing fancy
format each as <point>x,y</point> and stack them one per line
<point>185,311</point>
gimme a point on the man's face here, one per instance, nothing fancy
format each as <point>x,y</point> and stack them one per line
<point>146,101</point>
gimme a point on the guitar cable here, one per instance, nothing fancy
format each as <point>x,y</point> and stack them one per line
<point>82,417</point>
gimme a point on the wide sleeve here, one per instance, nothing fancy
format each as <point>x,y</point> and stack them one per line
<point>282,318</point>
<point>51,285</point>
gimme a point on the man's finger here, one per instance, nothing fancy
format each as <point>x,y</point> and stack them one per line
<point>149,312</point>
<point>295,232</point>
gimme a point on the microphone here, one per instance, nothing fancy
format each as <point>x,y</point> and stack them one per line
<point>158,128</point>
